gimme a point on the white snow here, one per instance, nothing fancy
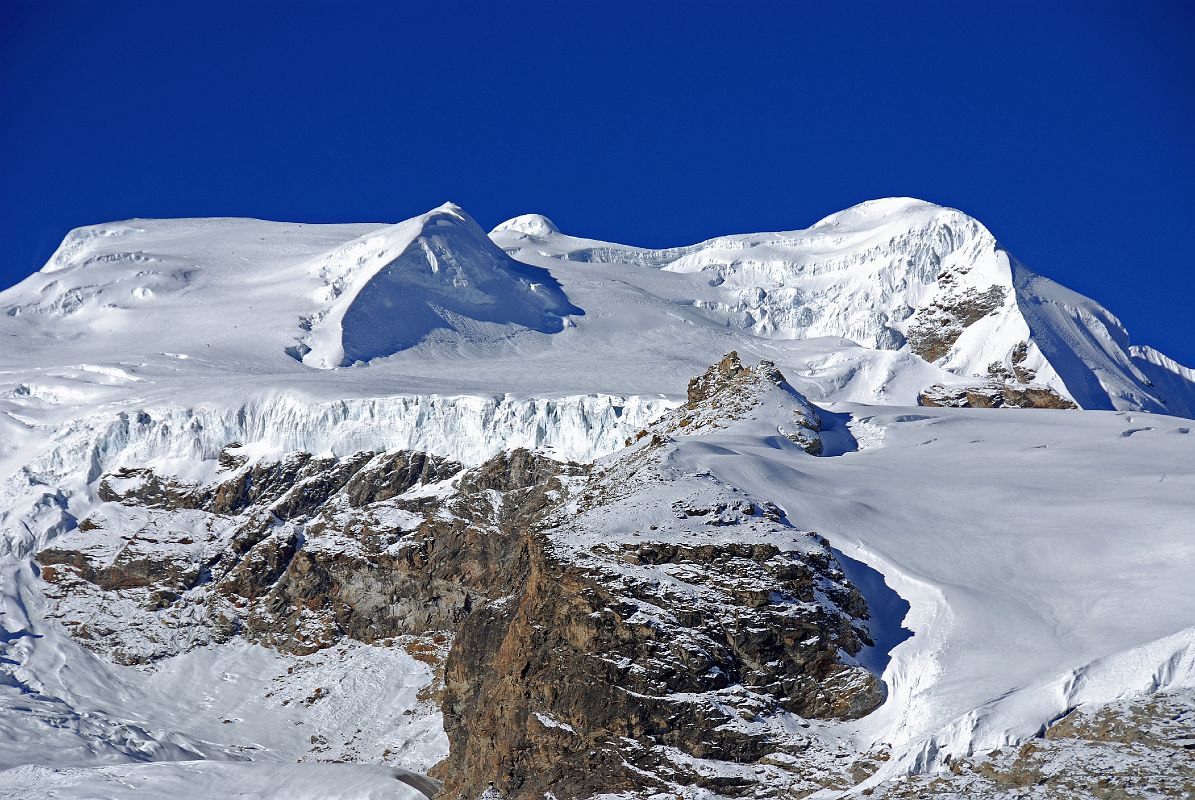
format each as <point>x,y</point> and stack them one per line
<point>870,274</point>
<point>210,780</point>
<point>1047,558</point>
<point>1047,555</point>
<point>393,288</point>
<point>63,707</point>
<point>52,479</point>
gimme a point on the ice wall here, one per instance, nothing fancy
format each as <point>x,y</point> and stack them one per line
<point>43,497</point>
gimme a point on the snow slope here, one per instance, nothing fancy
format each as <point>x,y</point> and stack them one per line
<point>1047,556</point>
<point>212,780</point>
<point>157,343</point>
<point>198,721</point>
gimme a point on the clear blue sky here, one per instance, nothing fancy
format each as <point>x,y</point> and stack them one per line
<point>1068,128</point>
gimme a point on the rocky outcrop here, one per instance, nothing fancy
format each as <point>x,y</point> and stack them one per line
<point>1010,385</point>
<point>731,391</point>
<point>993,395</point>
<point>667,630</point>
<point>934,330</point>
<point>592,678</point>
<point>295,554</point>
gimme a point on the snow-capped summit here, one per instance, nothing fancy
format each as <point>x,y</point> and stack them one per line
<point>393,288</point>
<point>905,275</point>
<point>876,303</point>
<point>299,473</point>
<point>872,212</point>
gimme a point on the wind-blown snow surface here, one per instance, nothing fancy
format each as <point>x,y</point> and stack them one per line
<point>1047,555</point>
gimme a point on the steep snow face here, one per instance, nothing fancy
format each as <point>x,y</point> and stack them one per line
<point>1171,378</point>
<point>1088,348</point>
<point>895,274</point>
<point>436,273</point>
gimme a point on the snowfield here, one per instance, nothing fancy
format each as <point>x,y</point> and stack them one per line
<point>163,780</point>
<point>1047,560</point>
<point>1046,556</point>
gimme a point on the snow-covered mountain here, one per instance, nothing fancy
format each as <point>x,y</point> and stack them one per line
<point>256,475</point>
<point>906,275</point>
<point>923,293</point>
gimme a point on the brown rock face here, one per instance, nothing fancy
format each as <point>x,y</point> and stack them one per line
<point>939,325</point>
<point>586,681</point>
<point>664,630</point>
<point>460,554</point>
<point>294,554</point>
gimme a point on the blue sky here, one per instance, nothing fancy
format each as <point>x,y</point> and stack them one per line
<point>1068,128</point>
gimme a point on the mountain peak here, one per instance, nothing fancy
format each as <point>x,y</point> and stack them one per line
<point>535,225</point>
<point>434,274</point>
<point>895,211</point>
<point>924,292</point>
